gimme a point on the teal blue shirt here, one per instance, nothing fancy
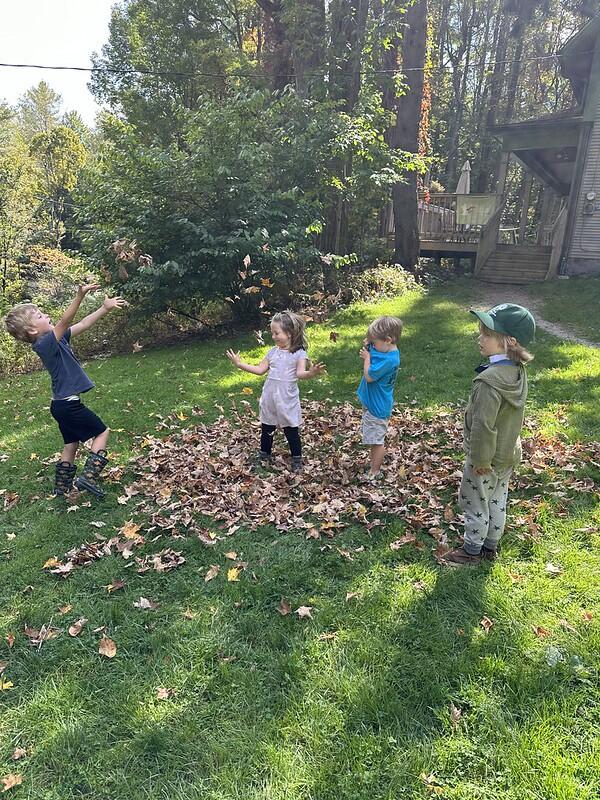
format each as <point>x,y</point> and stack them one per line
<point>378,396</point>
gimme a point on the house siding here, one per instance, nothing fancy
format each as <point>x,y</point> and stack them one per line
<point>583,256</point>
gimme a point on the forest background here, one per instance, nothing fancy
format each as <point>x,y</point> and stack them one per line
<point>248,150</point>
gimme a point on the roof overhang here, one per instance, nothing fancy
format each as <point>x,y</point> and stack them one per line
<point>547,146</point>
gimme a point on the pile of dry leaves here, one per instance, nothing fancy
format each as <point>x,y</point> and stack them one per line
<point>207,470</point>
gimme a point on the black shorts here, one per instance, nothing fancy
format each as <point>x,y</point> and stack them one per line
<point>76,422</point>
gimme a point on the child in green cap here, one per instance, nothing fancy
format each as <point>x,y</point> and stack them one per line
<point>492,427</point>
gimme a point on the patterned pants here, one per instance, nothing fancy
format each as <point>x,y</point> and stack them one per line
<point>483,499</point>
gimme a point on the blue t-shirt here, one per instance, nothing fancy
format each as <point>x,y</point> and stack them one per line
<point>66,373</point>
<point>378,397</point>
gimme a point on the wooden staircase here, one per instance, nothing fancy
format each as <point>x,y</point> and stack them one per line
<point>514,263</point>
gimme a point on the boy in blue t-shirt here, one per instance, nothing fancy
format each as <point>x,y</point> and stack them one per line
<point>27,323</point>
<point>381,361</point>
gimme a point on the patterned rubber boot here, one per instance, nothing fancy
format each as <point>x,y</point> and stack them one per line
<point>93,467</point>
<point>63,478</point>
<point>296,463</point>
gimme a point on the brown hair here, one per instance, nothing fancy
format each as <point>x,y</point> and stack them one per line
<point>385,328</point>
<point>293,325</point>
<point>516,352</point>
<point>18,320</point>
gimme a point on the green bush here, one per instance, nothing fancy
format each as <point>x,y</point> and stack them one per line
<point>379,282</point>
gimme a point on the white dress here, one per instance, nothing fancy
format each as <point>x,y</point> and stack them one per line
<point>280,398</point>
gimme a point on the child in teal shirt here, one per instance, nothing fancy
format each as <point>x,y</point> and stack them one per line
<point>381,362</point>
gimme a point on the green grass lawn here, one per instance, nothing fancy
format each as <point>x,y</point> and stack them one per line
<point>355,704</point>
<point>575,301</point>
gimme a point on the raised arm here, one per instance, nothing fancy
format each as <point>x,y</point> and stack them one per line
<point>109,304</point>
<point>258,369</point>
<point>62,326</point>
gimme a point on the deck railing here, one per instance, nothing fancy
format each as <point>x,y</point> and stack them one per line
<point>447,217</point>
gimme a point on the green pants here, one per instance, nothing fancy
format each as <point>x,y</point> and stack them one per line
<point>483,499</point>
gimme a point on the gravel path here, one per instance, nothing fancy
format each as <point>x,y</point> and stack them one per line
<point>490,294</point>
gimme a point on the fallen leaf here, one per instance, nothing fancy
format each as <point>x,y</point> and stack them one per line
<point>231,555</point>
<point>136,347</point>
<point>5,685</point>
<point>115,586</point>
<point>10,639</point>
<point>11,780</point>
<point>553,569</point>
<point>130,530</point>
<point>352,596</point>
<point>107,647</point>
<point>164,694</point>
<point>76,628</point>
<point>455,715</point>
<point>587,616</point>
<point>3,666</point>
<point>284,607</point>
<point>486,623</point>
<point>246,261</point>
<point>542,633</point>
<point>233,574</point>
<point>51,562</point>
<point>212,573</point>
<point>19,752</point>
<point>188,613</point>
<point>567,626</point>
<point>98,524</point>
<point>304,612</point>
<point>65,609</point>
<point>145,604</point>
<point>408,538</point>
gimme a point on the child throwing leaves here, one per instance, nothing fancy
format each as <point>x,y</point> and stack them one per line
<point>492,428</point>
<point>286,363</point>
<point>381,362</point>
<point>27,323</point>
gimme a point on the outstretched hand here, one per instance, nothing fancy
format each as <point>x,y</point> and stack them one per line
<point>114,302</point>
<point>318,369</point>
<point>86,288</point>
<point>234,357</point>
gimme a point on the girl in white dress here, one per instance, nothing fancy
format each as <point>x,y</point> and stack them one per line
<point>286,363</point>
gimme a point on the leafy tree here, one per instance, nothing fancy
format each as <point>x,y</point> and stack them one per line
<point>39,110</point>
<point>253,178</point>
<point>60,156</point>
<point>18,202</point>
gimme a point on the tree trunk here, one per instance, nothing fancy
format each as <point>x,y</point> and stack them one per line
<point>276,50</point>
<point>405,134</point>
<point>496,84</point>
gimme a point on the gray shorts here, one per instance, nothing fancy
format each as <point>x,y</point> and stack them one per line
<point>373,428</point>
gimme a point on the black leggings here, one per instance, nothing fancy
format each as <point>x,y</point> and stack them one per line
<point>291,434</point>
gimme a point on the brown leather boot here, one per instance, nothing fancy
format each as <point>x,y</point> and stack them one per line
<point>460,556</point>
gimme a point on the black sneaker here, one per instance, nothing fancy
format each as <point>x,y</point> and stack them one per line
<point>296,463</point>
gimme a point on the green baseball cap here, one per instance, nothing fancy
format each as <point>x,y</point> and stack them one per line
<point>509,319</point>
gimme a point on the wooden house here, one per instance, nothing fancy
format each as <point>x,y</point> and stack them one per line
<point>561,151</point>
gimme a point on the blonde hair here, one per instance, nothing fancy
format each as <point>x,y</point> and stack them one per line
<point>385,328</point>
<point>18,320</point>
<point>293,325</point>
<point>516,352</point>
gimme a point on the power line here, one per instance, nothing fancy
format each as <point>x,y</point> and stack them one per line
<point>195,74</point>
